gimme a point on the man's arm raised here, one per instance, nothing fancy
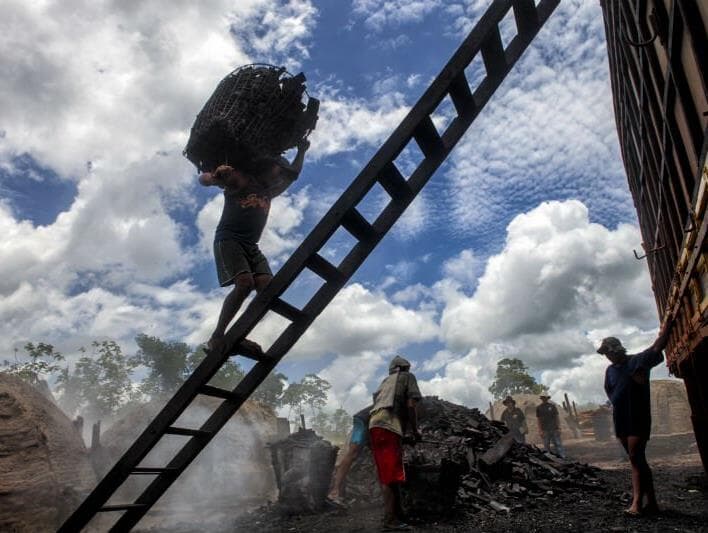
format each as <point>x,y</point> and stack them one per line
<point>289,172</point>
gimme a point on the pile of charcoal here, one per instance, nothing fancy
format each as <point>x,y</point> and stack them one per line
<point>479,464</point>
<point>466,459</point>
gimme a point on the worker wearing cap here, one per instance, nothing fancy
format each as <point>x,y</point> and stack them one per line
<point>393,416</point>
<point>514,419</point>
<point>549,426</point>
<point>627,387</point>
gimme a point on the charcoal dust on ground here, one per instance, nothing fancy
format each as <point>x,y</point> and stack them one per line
<point>468,475</point>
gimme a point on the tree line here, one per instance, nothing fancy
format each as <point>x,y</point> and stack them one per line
<point>104,380</point>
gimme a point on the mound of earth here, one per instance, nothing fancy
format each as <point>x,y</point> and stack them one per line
<point>44,466</point>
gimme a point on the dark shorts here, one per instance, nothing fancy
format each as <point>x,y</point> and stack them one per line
<point>638,425</point>
<point>235,257</point>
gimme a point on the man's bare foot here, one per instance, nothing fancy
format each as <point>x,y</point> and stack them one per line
<point>250,348</point>
<point>633,512</point>
<point>245,347</point>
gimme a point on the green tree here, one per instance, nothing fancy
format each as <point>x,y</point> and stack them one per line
<point>42,363</point>
<point>310,391</point>
<point>321,422</point>
<point>333,426</point>
<point>270,392</point>
<point>341,422</point>
<point>228,376</point>
<point>167,363</point>
<point>101,383</point>
<point>512,377</point>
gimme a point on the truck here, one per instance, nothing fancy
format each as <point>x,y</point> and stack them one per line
<point>657,51</point>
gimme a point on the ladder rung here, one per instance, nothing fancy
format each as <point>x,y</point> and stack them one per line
<point>141,470</point>
<point>216,392</point>
<point>493,53</point>
<point>395,184</point>
<point>121,507</point>
<point>324,269</point>
<point>286,310</point>
<point>187,432</point>
<point>426,135</point>
<point>355,223</point>
<point>461,94</point>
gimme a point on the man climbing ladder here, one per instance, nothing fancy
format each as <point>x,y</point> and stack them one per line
<point>248,191</point>
<point>417,126</point>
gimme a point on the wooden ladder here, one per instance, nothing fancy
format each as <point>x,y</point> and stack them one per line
<point>418,126</point>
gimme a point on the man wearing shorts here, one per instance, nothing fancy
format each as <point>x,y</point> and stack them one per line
<point>248,191</point>
<point>357,442</point>
<point>627,387</point>
<point>393,416</point>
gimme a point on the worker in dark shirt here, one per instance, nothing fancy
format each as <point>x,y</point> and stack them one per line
<point>514,419</point>
<point>248,188</point>
<point>627,387</point>
<point>358,440</point>
<point>549,425</point>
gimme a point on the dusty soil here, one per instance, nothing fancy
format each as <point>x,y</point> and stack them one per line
<point>679,478</point>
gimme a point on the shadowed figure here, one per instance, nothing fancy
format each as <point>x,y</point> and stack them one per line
<point>627,387</point>
<point>248,188</point>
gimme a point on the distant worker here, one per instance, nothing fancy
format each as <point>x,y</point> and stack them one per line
<point>393,418</point>
<point>514,419</point>
<point>627,387</point>
<point>248,190</point>
<point>549,426</point>
<point>357,442</point>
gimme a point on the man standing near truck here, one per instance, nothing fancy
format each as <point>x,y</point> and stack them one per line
<point>627,387</point>
<point>393,418</point>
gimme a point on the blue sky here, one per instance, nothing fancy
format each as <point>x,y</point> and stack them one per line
<point>521,245</point>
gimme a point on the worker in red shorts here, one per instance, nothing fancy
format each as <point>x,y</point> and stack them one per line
<point>393,418</point>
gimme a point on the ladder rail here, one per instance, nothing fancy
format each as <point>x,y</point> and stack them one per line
<point>380,165</point>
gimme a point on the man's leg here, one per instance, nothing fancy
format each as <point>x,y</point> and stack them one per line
<point>340,474</point>
<point>558,444</point>
<point>646,477</point>
<point>261,281</point>
<point>630,445</point>
<point>389,498</point>
<point>547,441</point>
<point>243,286</point>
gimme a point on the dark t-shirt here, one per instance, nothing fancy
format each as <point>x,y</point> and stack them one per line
<point>513,418</point>
<point>631,406</point>
<point>244,216</point>
<point>547,415</point>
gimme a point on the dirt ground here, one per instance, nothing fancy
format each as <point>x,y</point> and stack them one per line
<point>681,486</point>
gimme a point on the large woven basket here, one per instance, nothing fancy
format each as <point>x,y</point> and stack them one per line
<point>257,111</point>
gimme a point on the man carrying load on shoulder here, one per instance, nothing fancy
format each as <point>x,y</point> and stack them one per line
<point>248,188</point>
